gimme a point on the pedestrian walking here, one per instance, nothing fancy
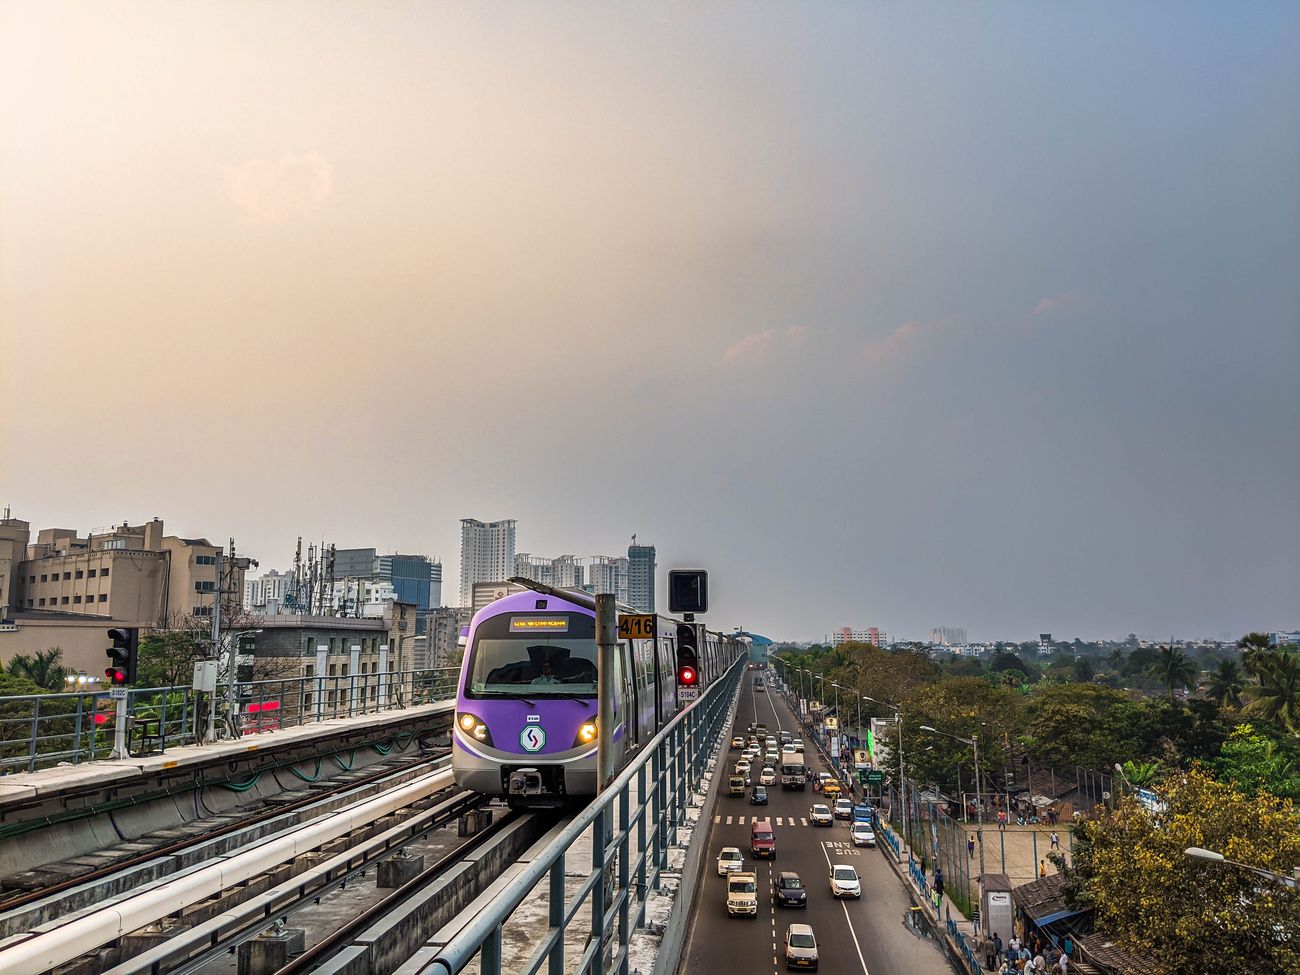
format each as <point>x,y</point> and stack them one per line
<point>1002,820</point>
<point>938,881</point>
<point>1042,868</point>
<point>1056,840</point>
<point>990,954</point>
<point>1068,946</point>
<point>970,845</point>
<point>997,947</point>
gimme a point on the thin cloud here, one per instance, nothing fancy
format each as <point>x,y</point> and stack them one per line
<point>757,346</point>
<point>893,345</point>
<point>273,191</point>
<point>1061,302</point>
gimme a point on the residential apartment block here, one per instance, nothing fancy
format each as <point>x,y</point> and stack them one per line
<point>487,554</point>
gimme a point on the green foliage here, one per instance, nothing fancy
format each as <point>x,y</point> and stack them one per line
<point>1256,764</point>
<point>1080,724</point>
<point>959,706</point>
<point>166,658</point>
<point>1278,696</point>
<point>1142,774</point>
<point>1173,669</point>
<point>1181,913</point>
<point>43,668</point>
<point>1226,684</point>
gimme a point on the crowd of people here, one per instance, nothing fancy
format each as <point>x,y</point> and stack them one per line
<point>1015,957</point>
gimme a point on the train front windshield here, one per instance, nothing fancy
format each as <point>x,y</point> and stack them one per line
<point>533,655</point>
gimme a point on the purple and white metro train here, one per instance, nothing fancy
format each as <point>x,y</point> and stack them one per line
<point>526,704</point>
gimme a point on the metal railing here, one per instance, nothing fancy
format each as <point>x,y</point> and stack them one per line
<point>41,730</point>
<point>632,825</point>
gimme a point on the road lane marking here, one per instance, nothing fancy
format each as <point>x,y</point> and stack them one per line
<point>728,820</point>
<point>716,820</point>
<point>803,821</point>
<point>847,919</point>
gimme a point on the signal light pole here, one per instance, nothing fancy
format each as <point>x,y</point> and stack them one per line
<point>121,673</point>
<point>606,640</point>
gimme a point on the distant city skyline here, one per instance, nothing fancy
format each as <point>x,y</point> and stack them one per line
<point>880,312</point>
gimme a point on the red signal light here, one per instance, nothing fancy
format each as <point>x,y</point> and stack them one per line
<point>101,717</point>
<point>116,676</point>
<point>686,676</point>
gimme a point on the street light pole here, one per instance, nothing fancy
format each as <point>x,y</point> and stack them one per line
<point>974,742</point>
<point>1200,853</point>
<point>902,775</point>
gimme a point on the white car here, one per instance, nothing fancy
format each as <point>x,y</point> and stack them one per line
<point>768,776</point>
<point>772,757</point>
<point>788,750</point>
<point>742,767</point>
<point>798,746</point>
<point>843,809</point>
<point>820,815</point>
<point>863,834</point>
<point>730,861</point>
<point>844,881</point>
<point>771,742</point>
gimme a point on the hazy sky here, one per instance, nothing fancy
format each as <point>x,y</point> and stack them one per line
<point>888,314</point>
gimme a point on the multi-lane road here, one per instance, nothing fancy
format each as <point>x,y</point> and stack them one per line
<point>868,935</point>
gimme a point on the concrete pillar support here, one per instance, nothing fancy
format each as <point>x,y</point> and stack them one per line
<point>271,951</point>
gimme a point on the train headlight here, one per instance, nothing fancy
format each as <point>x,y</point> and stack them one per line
<point>587,732</point>
<point>474,726</point>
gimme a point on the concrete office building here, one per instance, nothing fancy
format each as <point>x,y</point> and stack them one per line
<point>68,589</point>
<point>487,554</point>
<point>641,577</point>
<point>442,639</point>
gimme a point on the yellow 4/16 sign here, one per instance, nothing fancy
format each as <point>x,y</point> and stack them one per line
<point>636,627</point>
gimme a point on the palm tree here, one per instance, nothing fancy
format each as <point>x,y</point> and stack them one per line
<point>42,669</point>
<point>1278,696</point>
<point>1255,648</point>
<point>1173,669</point>
<point>1141,774</point>
<point>1226,684</point>
<point>1117,658</point>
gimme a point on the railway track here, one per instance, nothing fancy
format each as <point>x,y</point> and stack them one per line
<point>314,855</point>
<point>46,895</point>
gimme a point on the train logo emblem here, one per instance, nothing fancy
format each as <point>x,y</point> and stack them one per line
<point>532,738</point>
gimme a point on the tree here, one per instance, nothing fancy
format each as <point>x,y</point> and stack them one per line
<point>1255,764</point>
<point>1226,684</point>
<point>1116,658</point>
<point>1080,724</point>
<point>1173,669</point>
<point>1278,696</point>
<point>166,657</point>
<point>1254,648</point>
<point>42,668</point>
<point>1127,862</point>
<point>1007,661</point>
<point>959,706</point>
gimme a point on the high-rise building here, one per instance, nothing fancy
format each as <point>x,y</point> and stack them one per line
<point>487,554</point>
<point>535,567</point>
<point>606,574</point>
<point>568,572</point>
<point>265,593</point>
<point>641,577</point>
<point>949,636</point>
<point>415,579</point>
